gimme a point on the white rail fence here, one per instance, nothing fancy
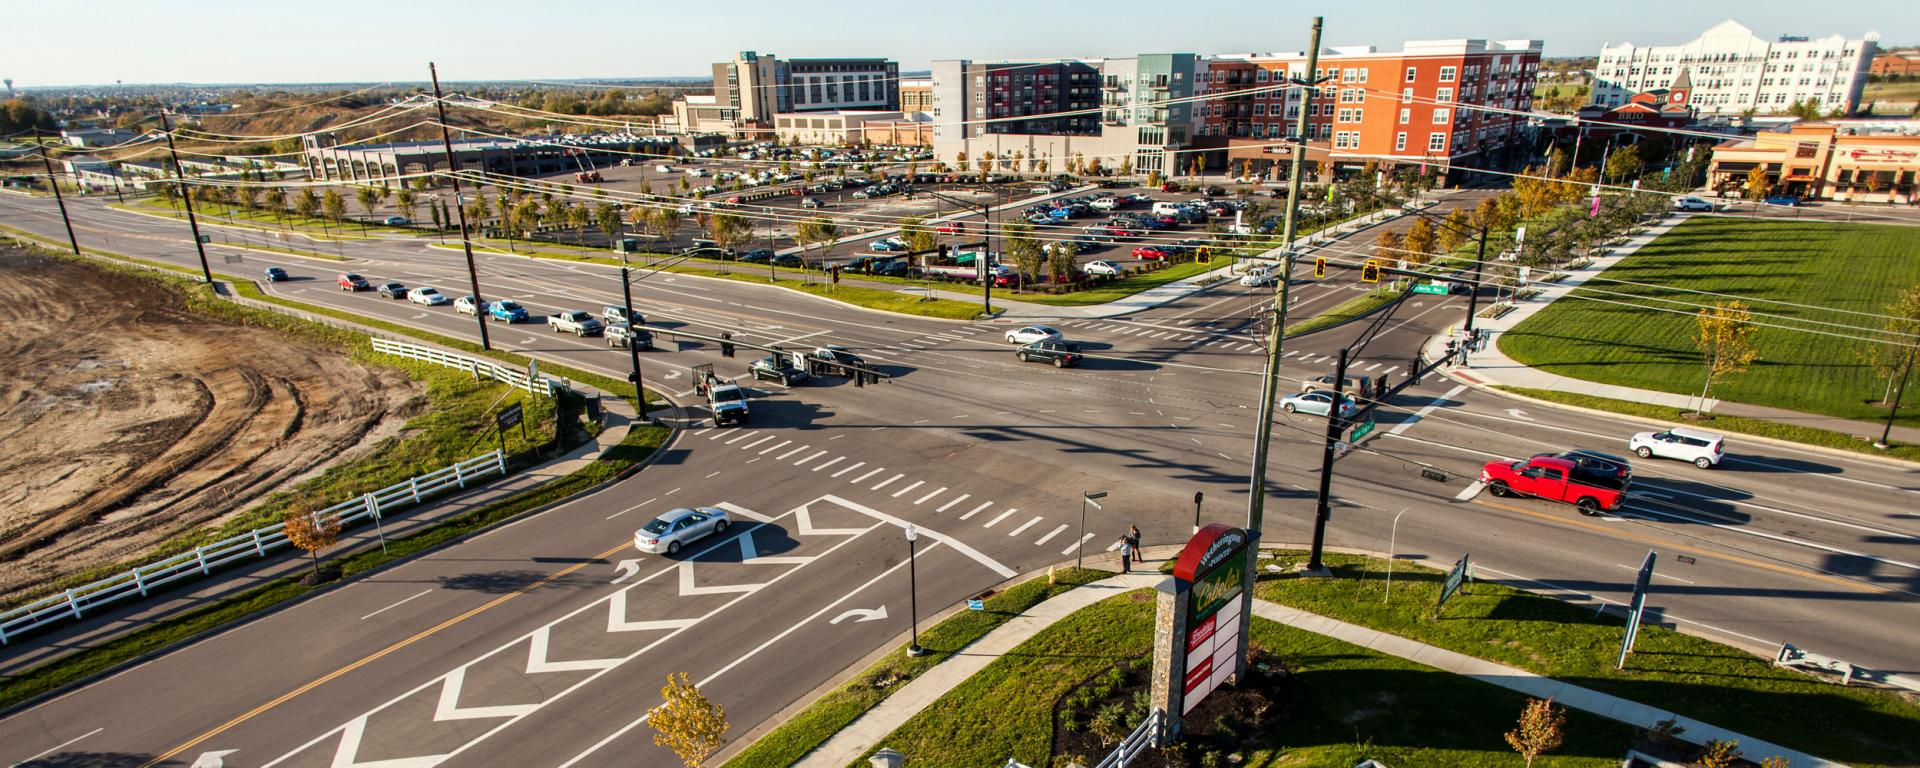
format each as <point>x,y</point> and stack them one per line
<point>77,602</point>
<point>528,380</point>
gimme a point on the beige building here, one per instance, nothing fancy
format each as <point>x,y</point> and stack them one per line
<point>916,94</point>
<point>1827,161</point>
<point>852,127</point>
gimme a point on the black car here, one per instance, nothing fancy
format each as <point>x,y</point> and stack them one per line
<point>787,260</point>
<point>1606,469</point>
<point>393,290</point>
<point>757,256</point>
<point>276,274</point>
<point>896,269</point>
<point>1060,353</point>
<point>779,368</point>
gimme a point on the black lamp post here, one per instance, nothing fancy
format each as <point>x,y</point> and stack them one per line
<point>913,594</point>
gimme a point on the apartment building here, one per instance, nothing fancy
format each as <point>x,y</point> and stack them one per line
<point>1734,70</point>
<point>752,88</point>
<point>1437,103</point>
<point>1037,116</point>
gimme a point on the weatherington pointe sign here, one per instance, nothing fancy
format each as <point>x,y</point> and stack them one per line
<point>1212,570</point>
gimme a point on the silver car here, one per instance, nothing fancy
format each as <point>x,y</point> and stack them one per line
<point>1316,403</point>
<point>670,532</point>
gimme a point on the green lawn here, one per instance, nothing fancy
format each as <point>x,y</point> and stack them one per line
<point>1124,287</point>
<point>1351,309</point>
<point>1854,267</point>
<point>1343,704</point>
<point>1685,674</point>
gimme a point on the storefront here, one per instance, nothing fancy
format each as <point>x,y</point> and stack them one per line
<point>1824,161</point>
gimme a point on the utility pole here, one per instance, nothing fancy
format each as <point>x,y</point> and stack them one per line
<point>460,207</point>
<point>1886,433</point>
<point>633,350</point>
<point>1473,291</point>
<point>1335,424</point>
<point>180,179</point>
<point>54,181</point>
<point>1257,484</point>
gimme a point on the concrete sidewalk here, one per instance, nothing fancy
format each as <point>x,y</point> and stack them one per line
<point>1492,367</point>
<point>872,728</point>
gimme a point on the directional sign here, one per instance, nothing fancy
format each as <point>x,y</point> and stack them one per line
<point>204,239</point>
<point>1361,430</point>
<point>1429,288</point>
<point>509,416</point>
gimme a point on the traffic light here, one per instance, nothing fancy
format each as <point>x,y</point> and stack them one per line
<point>1206,255</point>
<point>1370,271</point>
<point>726,347</point>
<point>836,274</point>
<point>1320,266</point>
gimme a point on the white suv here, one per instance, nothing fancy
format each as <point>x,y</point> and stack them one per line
<point>1704,449</point>
<point>1691,203</point>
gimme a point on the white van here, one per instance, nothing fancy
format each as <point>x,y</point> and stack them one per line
<point>1166,209</point>
<point>1704,449</point>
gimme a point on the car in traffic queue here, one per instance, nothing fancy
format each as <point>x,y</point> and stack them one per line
<point>467,305</point>
<point>351,282</point>
<point>1061,354</point>
<point>1033,333</point>
<point>1605,469</point>
<point>1101,268</point>
<point>624,335</point>
<point>611,314</point>
<point>1704,449</point>
<point>507,311</point>
<point>392,290</point>
<point>1361,384</point>
<point>1317,403</point>
<point>1554,479</point>
<point>838,356</point>
<point>777,367</point>
<point>427,295</point>
<point>276,275</point>
<point>887,245</point>
<point>675,529</point>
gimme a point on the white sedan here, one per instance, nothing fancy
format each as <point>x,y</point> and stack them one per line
<point>428,296</point>
<point>677,528</point>
<point>466,305</point>
<point>1101,267</point>
<point>1033,333</point>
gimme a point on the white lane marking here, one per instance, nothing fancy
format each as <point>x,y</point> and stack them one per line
<point>870,473</point>
<point>904,491</point>
<point>395,605</point>
<point>829,463</point>
<point>783,457</point>
<point>957,500</point>
<point>1656,574</point>
<point>790,340</point>
<point>1422,413</point>
<point>58,747</point>
<point>1291,354</point>
<point>752,445</point>
<point>976,510</point>
<point>1050,534</point>
<point>1472,490</point>
<point>1390,371</point>
<point>702,431</point>
<point>783,444</point>
<point>1371,367</point>
<point>929,497</point>
<point>999,517</point>
<point>743,437</point>
<point>843,470</point>
<point>1076,545</point>
<point>632,508</point>
<point>1024,526</point>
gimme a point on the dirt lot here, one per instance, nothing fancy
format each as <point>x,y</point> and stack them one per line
<point>126,419</point>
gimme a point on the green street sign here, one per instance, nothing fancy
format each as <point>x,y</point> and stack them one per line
<point>204,239</point>
<point>1361,430</point>
<point>1429,288</point>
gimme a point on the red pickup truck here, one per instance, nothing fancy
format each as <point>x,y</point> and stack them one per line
<point>1554,479</point>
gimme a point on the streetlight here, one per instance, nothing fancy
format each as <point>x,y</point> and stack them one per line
<point>1197,497</point>
<point>1085,499</point>
<point>913,595</point>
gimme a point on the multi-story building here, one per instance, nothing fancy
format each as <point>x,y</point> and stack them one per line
<point>1039,116</point>
<point>916,94</point>
<point>1851,161</point>
<point>1896,63</point>
<point>751,89</point>
<point>1734,70</point>
<point>1441,103</point>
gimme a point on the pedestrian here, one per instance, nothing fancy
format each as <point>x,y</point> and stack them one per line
<point>1126,556</point>
<point>1133,542</point>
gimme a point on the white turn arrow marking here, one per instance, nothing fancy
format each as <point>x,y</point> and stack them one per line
<point>212,759</point>
<point>627,569</point>
<point>673,374</point>
<point>1518,414</point>
<point>861,614</point>
<point>421,316</point>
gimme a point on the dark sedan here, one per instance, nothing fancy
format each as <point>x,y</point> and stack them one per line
<point>393,290</point>
<point>1060,353</point>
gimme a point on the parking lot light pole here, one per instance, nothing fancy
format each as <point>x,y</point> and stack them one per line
<point>913,594</point>
<point>1087,498</point>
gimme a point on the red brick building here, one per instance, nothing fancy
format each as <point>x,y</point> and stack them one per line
<point>1644,114</point>
<point>1896,63</point>
<point>1409,107</point>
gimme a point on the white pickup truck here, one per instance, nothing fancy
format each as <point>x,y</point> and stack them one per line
<point>576,322</point>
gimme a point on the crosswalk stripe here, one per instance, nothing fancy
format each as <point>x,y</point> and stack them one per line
<point>850,469</point>
<point>870,473</point>
<point>903,491</point>
<point>1076,545</point>
<point>999,517</point>
<point>1050,534</point>
<point>923,499</point>
<point>783,457</point>
<point>976,510</point>
<point>815,455</point>
<point>783,444</point>
<point>1389,371</point>
<point>743,437</point>
<point>1024,526</point>
<point>1291,354</point>
<point>703,431</point>
<point>1371,367</point>
<point>949,505</point>
<point>756,443</point>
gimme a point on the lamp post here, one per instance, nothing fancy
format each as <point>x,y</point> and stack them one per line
<point>1086,499</point>
<point>1197,496</point>
<point>913,594</point>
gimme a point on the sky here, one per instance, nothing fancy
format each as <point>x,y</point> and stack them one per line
<point>229,41</point>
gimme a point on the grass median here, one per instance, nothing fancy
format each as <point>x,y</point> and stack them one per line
<point>1694,677</point>
<point>1809,284</point>
<point>263,220</point>
<point>811,727</point>
<point>1722,423</point>
<point>1115,290</point>
<point>1346,311</point>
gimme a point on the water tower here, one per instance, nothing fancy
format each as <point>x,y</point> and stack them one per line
<point>9,87</point>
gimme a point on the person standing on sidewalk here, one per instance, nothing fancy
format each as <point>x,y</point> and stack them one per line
<point>1126,555</point>
<point>1133,543</point>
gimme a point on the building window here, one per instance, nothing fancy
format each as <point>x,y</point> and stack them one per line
<point>1349,75</point>
<point>1412,72</point>
<point>1259,110</point>
<point>1261,75</point>
<point>1441,116</point>
<point>1346,140</point>
<point>1406,115</point>
<point>1406,94</point>
<point>1446,74</point>
<point>1363,75</point>
<point>1399,142</point>
<point>1443,95</point>
<point>1436,142</point>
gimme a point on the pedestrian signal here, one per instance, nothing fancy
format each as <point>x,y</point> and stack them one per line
<point>1370,272</point>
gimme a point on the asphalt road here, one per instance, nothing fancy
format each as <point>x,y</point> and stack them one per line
<point>543,643</point>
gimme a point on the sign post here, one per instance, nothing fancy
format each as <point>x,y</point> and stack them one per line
<point>1635,608</point>
<point>508,417</point>
<point>1199,634</point>
<point>1455,579</point>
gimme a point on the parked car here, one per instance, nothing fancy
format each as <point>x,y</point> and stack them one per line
<point>788,260</point>
<point>1790,201</point>
<point>671,532</point>
<point>427,295</point>
<point>1316,403</point>
<point>777,367</point>
<point>1691,203</point>
<point>1553,479</point>
<point>1101,268</point>
<point>887,245</point>
<point>352,282</point>
<point>1154,252</point>
<point>506,311</point>
<point>757,256</point>
<point>276,275</point>
<point>1704,449</point>
<point>467,305</point>
<point>810,202</point>
<point>1033,333</point>
<point>1060,353</point>
<point>896,269</point>
<point>392,290</point>
<point>397,221</point>
<point>624,335</point>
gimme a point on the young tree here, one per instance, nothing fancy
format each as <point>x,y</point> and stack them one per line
<point>820,232</point>
<point>369,199</point>
<point>277,200</point>
<point>1024,250</point>
<point>406,202</point>
<point>1719,754</point>
<point>579,217</point>
<point>311,533</point>
<point>1758,185</point>
<point>249,196</point>
<point>663,222</point>
<point>606,217</point>
<point>1539,730</point>
<point>1896,358</point>
<point>306,204</point>
<point>334,206</point>
<point>687,722</point>
<point>1623,163</point>
<point>1060,262</point>
<point>1419,241</point>
<point>1725,341</point>
<point>730,229</point>
<point>1390,246</point>
<point>913,229</point>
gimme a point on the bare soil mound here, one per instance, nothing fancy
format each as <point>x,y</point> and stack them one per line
<point>126,419</point>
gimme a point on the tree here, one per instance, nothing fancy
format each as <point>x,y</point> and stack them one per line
<point>249,196</point>
<point>687,722</point>
<point>985,164</point>
<point>1624,162</point>
<point>1060,262</point>
<point>1419,241</point>
<point>817,231</point>
<point>1154,179</point>
<point>1758,185</point>
<point>1126,165</point>
<point>1725,341</point>
<point>312,533</point>
<point>606,217</point>
<point>169,193</point>
<point>1719,754</point>
<point>306,204</point>
<point>334,206</point>
<point>1539,730</point>
<point>730,229</point>
<point>369,199</point>
<point>1455,233</point>
<point>277,200</point>
<point>1390,245</point>
<point>406,202</point>
<point>1898,355</point>
<point>1024,250</point>
<point>663,222</point>
<point>919,238</point>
